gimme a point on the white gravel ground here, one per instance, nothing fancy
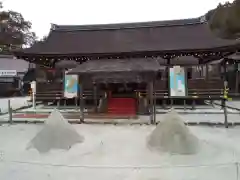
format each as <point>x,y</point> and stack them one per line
<point>120,153</point>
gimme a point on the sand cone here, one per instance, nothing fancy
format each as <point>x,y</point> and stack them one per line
<point>173,136</point>
<point>57,133</point>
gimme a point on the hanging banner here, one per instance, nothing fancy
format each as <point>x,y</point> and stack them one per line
<point>70,86</point>
<point>177,81</point>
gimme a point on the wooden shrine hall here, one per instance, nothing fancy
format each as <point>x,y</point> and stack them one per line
<point>126,68</point>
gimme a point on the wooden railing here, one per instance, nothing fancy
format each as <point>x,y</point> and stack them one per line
<point>199,88</point>
<point>57,95</point>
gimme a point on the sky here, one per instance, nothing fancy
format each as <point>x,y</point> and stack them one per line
<point>75,12</point>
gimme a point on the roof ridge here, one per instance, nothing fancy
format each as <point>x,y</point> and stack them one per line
<point>134,25</point>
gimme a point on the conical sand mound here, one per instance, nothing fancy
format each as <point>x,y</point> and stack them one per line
<point>172,135</point>
<point>57,133</point>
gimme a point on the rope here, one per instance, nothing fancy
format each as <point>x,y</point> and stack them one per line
<point>217,104</point>
<point>121,167</point>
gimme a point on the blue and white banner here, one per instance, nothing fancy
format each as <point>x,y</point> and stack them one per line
<point>177,81</point>
<point>70,86</point>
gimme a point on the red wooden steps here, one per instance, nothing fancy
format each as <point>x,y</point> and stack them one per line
<point>122,106</point>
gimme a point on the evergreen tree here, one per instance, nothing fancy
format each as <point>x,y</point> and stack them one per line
<point>15,31</point>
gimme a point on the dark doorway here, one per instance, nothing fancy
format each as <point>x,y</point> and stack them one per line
<point>124,89</point>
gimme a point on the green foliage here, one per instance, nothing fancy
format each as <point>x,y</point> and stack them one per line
<point>225,19</point>
<point>14,32</point>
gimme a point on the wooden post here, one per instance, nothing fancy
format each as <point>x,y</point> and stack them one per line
<point>58,103</point>
<point>224,95</point>
<point>148,98</point>
<point>184,104</point>
<point>237,78</point>
<point>154,103</point>
<point>95,97</point>
<point>151,102</point>
<point>225,113</point>
<point>225,71</point>
<point>193,104</point>
<point>171,101</point>
<point>10,112</point>
<point>65,102</point>
<point>76,102</point>
<point>138,99</point>
<point>81,103</point>
<point>207,71</point>
<point>168,79</point>
<point>164,104</point>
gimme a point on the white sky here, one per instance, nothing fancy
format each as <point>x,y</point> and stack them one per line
<point>44,12</point>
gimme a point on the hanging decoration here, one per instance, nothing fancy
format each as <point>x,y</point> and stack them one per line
<point>70,86</point>
<point>177,81</point>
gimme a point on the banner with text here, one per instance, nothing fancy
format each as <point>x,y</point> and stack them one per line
<point>70,86</point>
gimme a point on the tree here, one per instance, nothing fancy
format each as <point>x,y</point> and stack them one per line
<point>15,32</point>
<point>232,22</point>
<point>225,19</point>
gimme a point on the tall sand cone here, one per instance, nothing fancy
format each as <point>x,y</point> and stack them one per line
<point>57,133</point>
<point>173,136</point>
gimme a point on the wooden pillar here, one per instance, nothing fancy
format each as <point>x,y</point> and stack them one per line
<point>151,102</point>
<point>148,97</point>
<point>237,78</point>
<point>225,70</point>
<point>76,102</point>
<point>154,102</point>
<point>225,113</point>
<point>95,97</point>
<point>81,103</point>
<point>167,77</point>
<point>184,104</point>
<point>65,102</point>
<point>58,103</point>
<point>207,71</point>
<point>224,98</point>
<point>193,104</point>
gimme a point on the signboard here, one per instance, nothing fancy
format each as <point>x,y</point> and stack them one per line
<point>70,86</point>
<point>177,81</point>
<point>8,73</point>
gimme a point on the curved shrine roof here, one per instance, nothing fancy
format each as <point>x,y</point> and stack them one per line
<point>160,36</point>
<point>117,70</point>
